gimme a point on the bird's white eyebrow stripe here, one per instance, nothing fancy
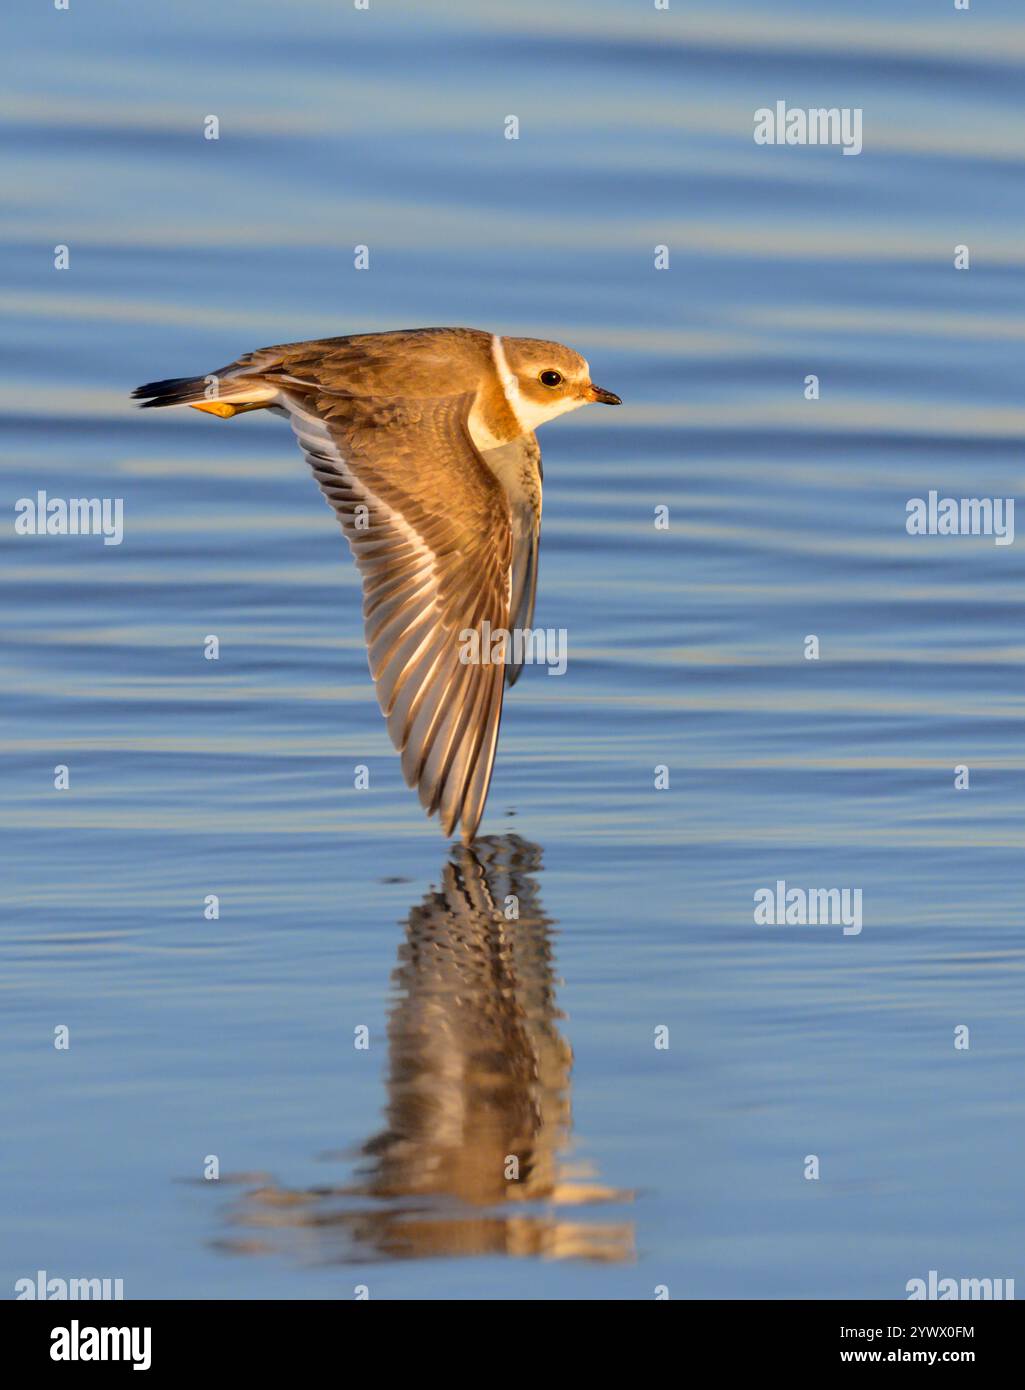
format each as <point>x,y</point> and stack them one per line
<point>510,386</point>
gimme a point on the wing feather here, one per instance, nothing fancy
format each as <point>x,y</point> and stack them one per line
<point>518,467</point>
<point>430,529</point>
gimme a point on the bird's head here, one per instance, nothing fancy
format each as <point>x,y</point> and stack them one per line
<point>545,379</point>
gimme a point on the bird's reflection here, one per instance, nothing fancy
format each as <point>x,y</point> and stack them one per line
<point>472,1158</point>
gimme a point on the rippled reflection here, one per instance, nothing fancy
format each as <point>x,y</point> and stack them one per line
<point>478,1117</point>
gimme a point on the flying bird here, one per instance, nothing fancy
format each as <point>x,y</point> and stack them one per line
<point>422,441</point>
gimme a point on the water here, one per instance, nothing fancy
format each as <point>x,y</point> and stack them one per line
<point>343,910</point>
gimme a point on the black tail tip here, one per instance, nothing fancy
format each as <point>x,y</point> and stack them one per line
<point>176,390</point>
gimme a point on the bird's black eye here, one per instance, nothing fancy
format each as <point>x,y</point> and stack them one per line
<point>550,378</point>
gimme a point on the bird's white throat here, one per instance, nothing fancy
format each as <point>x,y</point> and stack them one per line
<point>529,415</point>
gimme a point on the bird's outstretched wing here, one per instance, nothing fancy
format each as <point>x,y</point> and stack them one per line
<point>429,528</point>
<point>518,467</point>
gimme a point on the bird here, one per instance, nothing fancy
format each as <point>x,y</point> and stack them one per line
<point>423,442</point>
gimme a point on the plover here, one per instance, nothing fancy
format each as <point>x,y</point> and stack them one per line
<point>423,442</point>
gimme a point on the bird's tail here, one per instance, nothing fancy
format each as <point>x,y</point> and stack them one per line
<point>224,393</point>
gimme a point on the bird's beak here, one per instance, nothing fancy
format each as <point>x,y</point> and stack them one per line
<point>596,393</point>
